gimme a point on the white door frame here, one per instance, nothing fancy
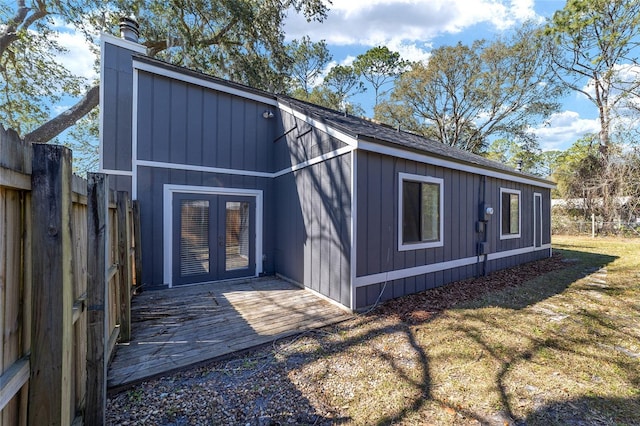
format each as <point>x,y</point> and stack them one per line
<point>167,202</point>
<point>537,227</point>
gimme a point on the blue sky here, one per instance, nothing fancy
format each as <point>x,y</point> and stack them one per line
<point>413,28</point>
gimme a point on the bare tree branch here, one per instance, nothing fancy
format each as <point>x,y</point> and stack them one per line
<point>156,46</point>
<point>9,35</point>
<point>68,118</point>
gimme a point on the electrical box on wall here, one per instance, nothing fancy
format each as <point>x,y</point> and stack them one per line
<point>480,227</point>
<point>487,212</point>
<point>483,248</point>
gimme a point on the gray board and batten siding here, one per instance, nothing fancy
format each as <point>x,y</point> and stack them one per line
<point>116,104</point>
<point>381,270</point>
<point>325,184</point>
<point>464,192</point>
<point>188,136</point>
<point>180,125</point>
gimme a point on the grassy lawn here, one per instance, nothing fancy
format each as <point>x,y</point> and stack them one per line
<point>563,348</point>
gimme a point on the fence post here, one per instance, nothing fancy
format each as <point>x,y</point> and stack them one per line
<point>124,265</point>
<point>52,287</point>
<point>97,297</point>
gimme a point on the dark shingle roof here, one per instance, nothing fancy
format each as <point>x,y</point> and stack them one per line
<point>368,130</point>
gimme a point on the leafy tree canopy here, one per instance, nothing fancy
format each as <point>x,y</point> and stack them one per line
<point>466,95</point>
<point>379,66</point>
<point>242,40</point>
<point>525,158</point>
<point>308,61</point>
<point>597,55</point>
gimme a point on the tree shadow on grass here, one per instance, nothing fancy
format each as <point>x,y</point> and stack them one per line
<point>519,292</point>
<point>513,289</point>
<point>586,411</point>
<point>295,380</point>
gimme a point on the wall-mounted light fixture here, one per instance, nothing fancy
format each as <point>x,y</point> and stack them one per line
<point>267,114</point>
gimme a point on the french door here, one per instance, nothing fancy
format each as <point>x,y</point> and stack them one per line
<point>213,237</point>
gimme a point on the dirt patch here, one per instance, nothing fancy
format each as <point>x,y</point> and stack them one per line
<point>421,307</point>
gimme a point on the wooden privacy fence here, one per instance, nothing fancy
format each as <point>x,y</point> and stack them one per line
<point>66,256</point>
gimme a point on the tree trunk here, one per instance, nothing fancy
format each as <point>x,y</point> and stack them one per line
<point>68,118</point>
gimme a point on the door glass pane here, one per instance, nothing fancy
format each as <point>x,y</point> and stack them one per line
<point>194,237</point>
<point>237,230</point>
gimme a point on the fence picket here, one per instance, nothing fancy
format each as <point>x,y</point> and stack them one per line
<point>97,296</point>
<point>44,365</point>
<point>51,338</point>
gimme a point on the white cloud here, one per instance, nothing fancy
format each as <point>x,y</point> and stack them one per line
<point>78,59</point>
<point>376,22</point>
<point>563,129</point>
<point>411,51</point>
<point>626,77</point>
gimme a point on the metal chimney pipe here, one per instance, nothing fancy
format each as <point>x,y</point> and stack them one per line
<point>129,29</point>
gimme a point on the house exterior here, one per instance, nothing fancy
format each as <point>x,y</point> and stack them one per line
<point>234,182</point>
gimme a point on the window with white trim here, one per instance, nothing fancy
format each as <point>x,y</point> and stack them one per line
<point>420,212</point>
<point>509,213</point>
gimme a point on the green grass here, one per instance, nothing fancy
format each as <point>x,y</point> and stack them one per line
<point>563,348</point>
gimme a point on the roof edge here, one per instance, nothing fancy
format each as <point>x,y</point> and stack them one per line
<point>379,146</point>
<point>165,69</point>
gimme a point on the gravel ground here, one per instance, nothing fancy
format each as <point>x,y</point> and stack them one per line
<point>256,388</point>
<point>283,383</point>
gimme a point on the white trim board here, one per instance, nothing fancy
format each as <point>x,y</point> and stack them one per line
<point>402,177</point>
<point>134,137</point>
<point>353,228</point>
<point>252,173</point>
<point>177,166</point>
<point>436,267</point>
<point>323,127</point>
<point>315,160</point>
<point>103,41</point>
<point>517,192</point>
<point>202,82</point>
<point>537,227</point>
<point>113,172</point>
<point>120,42</point>
<point>167,220</point>
<point>428,159</point>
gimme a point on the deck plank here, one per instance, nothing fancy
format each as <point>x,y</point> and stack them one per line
<point>175,328</point>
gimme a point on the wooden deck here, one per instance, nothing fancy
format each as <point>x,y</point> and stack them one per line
<point>179,327</point>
